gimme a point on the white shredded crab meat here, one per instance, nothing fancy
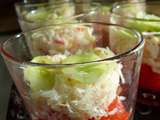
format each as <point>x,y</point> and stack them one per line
<point>152,52</point>
<point>85,101</point>
<point>62,38</point>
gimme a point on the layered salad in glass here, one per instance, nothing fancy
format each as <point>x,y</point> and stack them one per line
<point>34,15</point>
<point>148,24</point>
<point>144,17</point>
<point>83,86</point>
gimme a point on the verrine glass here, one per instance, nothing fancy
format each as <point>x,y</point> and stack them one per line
<point>33,15</point>
<point>78,71</point>
<point>145,17</point>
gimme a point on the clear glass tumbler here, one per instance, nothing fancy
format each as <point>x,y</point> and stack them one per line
<point>82,71</point>
<point>145,17</point>
<point>34,15</point>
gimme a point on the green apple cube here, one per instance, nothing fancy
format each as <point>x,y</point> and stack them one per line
<point>88,73</point>
<point>79,58</point>
<point>39,77</point>
<point>105,8</point>
<point>43,59</point>
<point>37,15</point>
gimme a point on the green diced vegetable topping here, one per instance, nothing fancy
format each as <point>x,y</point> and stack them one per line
<point>40,78</point>
<point>146,25</point>
<point>87,73</point>
<point>37,15</point>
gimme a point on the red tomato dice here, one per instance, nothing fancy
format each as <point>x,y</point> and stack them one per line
<point>149,79</point>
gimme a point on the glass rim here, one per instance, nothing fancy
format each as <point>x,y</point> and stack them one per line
<point>40,22</point>
<point>124,4</point>
<point>55,5</point>
<point>129,52</point>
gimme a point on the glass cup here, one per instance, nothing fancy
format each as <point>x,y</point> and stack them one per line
<point>145,17</point>
<point>78,71</point>
<point>33,15</point>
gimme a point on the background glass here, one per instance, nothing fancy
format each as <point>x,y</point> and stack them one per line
<point>33,15</point>
<point>19,50</point>
<point>144,17</point>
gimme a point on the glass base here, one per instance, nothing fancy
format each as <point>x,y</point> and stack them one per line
<point>16,109</point>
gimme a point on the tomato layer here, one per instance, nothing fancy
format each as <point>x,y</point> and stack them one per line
<point>149,79</point>
<point>118,111</point>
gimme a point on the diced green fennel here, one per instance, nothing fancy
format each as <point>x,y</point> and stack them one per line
<point>39,77</point>
<point>39,14</point>
<point>146,24</point>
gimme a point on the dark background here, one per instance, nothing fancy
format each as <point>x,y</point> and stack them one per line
<point>8,21</point>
